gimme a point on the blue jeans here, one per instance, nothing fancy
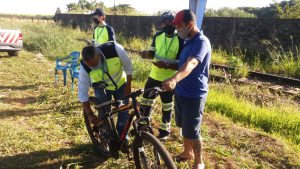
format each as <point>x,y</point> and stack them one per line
<point>188,115</point>
<point>117,94</point>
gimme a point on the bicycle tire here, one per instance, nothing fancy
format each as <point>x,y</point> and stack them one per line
<point>102,151</point>
<point>159,152</point>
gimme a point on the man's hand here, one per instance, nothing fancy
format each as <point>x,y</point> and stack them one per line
<point>160,64</point>
<point>145,54</point>
<point>169,84</point>
<point>183,72</point>
<point>89,112</point>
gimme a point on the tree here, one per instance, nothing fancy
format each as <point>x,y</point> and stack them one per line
<point>228,12</point>
<point>288,9</point>
<point>86,6</point>
<point>58,11</point>
<point>283,9</point>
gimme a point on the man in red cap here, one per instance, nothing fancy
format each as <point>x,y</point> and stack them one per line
<point>191,85</point>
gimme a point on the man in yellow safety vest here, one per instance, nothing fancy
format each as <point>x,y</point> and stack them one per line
<point>102,32</point>
<point>164,52</point>
<point>106,63</point>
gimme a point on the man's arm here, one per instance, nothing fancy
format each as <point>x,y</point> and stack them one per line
<point>111,33</point>
<point>162,64</point>
<point>149,54</point>
<point>182,73</point>
<point>186,69</point>
<point>83,94</point>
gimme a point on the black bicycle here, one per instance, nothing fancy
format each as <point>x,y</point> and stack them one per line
<point>148,152</point>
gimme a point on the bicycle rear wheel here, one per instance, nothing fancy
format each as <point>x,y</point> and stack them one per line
<point>149,153</point>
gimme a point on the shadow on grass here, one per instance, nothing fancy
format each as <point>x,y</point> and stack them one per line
<point>5,56</point>
<point>22,101</point>
<point>23,112</point>
<point>23,87</point>
<point>83,155</point>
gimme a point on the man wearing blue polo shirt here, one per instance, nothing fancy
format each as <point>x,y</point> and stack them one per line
<point>191,85</point>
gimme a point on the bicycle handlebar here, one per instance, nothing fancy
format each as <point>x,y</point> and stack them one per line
<point>131,95</point>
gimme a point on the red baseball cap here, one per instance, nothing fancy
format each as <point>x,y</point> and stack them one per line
<point>184,16</point>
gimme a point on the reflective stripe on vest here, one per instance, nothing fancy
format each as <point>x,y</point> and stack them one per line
<point>166,50</point>
<point>165,126</point>
<point>115,70</point>
<point>167,106</point>
<point>101,35</point>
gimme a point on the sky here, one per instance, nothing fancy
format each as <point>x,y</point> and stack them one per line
<point>149,6</point>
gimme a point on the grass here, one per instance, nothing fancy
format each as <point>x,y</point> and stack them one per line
<point>276,60</point>
<point>41,124</point>
<point>48,131</point>
<point>50,39</point>
<point>272,119</point>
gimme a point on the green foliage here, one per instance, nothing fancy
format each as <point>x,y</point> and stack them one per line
<point>219,56</point>
<point>141,68</point>
<point>240,68</point>
<point>228,12</point>
<point>275,61</point>
<point>85,6</point>
<point>283,9</point>
<point>288,9</point>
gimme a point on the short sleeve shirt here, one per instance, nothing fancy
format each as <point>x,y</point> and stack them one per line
<point>195,85</point>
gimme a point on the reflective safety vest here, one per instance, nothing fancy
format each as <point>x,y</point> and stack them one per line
<point>101,35</point>
<point>111,66</point>
<point>166,50</point>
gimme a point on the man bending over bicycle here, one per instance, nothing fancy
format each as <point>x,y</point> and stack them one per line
<point>109,63</point>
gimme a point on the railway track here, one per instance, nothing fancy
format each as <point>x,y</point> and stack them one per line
<point>280,80</point>
<point>274,83</point>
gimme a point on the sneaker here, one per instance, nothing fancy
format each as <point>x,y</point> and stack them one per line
<point>163,134</point>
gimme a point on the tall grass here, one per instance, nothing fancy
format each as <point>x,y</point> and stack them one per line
<point>276,59</point>
<point>273,119</point>
<point>141,69</point>
<point>282,61</point>
<point>51,39</point>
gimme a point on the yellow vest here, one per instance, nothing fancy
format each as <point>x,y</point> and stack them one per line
<point>166,50</point>
<point>101,35</point>
<point>113,67</point>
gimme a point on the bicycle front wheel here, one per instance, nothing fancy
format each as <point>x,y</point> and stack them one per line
<point>100,136</point>
<point>149,153</point>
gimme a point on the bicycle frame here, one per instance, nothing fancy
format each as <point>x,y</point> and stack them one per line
<point>135,113</point>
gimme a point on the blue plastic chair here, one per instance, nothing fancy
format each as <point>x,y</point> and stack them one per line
<point>70,60</point>
<point>74,71</point>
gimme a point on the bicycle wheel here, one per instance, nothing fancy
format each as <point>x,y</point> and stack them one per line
<point>100,135</point>
<point>149,153</point>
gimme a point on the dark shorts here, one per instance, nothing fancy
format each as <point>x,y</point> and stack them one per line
<point>188,115</point>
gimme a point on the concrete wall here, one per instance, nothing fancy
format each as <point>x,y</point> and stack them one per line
<point>247,33</point>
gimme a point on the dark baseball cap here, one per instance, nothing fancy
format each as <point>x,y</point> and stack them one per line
<point>98,12</point>
<point>185,16</point>
<point>167,16</point>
